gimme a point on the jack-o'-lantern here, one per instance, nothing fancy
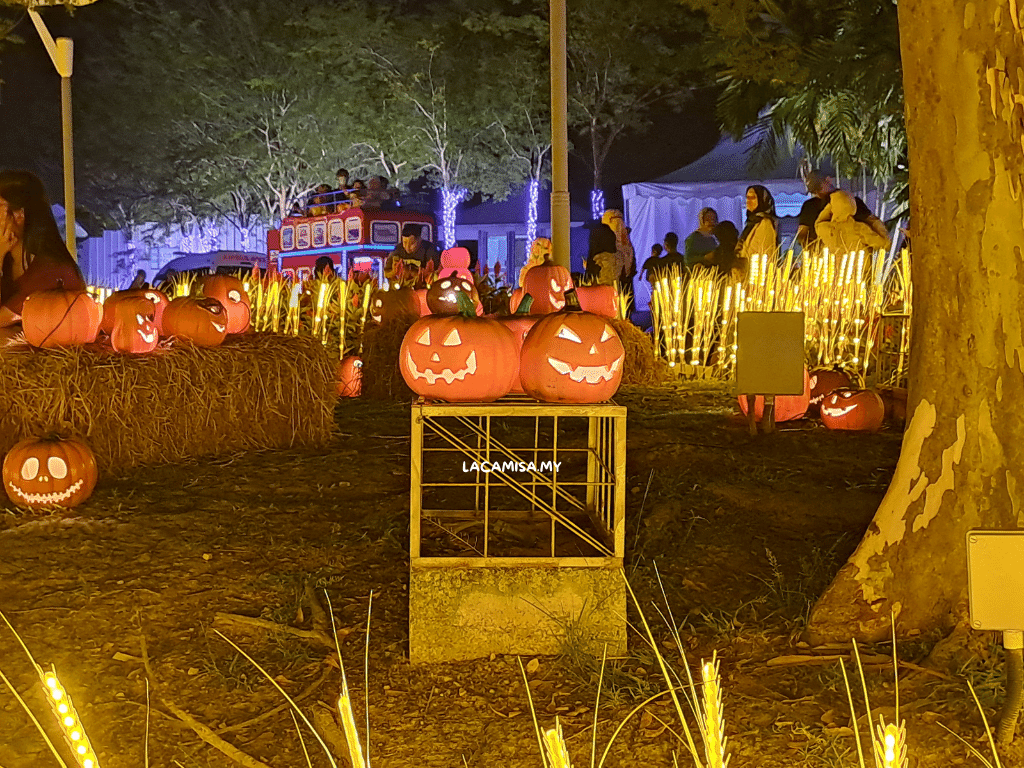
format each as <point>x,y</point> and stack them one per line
<point>201,321</point>
<point>134,326</point>
<point>787,407</point>
<point>571,357</point>
<point>159,303</point>
<point>547,283</point>
<point>823,382</point>
<point>855,410</point>
<point>350,376</point>
<point>459,358</point>
<point>442,296</point>
<point>231,293</point>
<point>601,300</point>
<point>393,305</point>
<point>49,472</point>
<point>60,318</point>
<point>521,323</point>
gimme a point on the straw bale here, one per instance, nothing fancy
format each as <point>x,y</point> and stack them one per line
<point>179,402</point>
<point>641,367</point>
<point>382,379</point>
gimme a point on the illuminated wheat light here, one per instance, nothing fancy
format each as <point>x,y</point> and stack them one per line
<point>348,723</point>
<point>554,745</point>
<point>713,719</point>
<point>890,744</point>
<point>70,723</point>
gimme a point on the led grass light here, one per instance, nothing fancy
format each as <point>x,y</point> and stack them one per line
<point>70,724</point>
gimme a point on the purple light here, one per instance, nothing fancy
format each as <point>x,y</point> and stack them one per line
<point>450,199</point>
<point>532,193</point>
<point>596,204</point>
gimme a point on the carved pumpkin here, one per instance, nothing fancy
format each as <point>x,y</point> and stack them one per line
<point>787,407</point>
<point>571,357</point>
<point>442,296</point>
<point>823,382</point>
<point>856,410</point>
<point>159,303</point>
<point>601,300</point>
<point>134,326</point>
<point>60,318</point>
<point>201,321</point>
<point>231,293</point>
<point>394,304</point>
<point>547,283</point>
<point>350,376</point>
<point>49,472</point>
<point>459,358</point>
<point>521,323</point>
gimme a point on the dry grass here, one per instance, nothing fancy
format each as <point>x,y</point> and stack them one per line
<point>641,366</point>
<point>382,379</point>
<point>179,402</point>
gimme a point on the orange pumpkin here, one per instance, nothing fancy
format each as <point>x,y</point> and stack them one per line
<point>459,358</point>
<point>201,321</point>
<point>421,300</point>
<point>442,296</point>
<point>159,303</point>
<point>547,283</point>
<point>602,300</point>
<point>134,326</point>
<point>787,407</point>
<point>521,323</point>
<point>231,293</point>
<point>571,357</point>
<point>350,376</point>
<point>823,382</point>
<point>854,410</point>
<point>60,318</point>
<point>394,304</point>
<point>49,472</point>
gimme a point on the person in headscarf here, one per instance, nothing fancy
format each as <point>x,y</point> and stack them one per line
<point>760,234</point>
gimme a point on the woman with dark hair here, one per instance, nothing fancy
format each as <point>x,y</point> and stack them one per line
<point>728,237</point>
<point>602,260</point>
<point>760,234</point>
<point>33,256</point>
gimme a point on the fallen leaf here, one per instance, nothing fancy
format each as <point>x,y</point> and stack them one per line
<point>532,666</point>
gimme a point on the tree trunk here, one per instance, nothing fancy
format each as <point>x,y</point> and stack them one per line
<point>962,462</point>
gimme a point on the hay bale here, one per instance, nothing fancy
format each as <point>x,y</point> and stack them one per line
<point>179,402</point>
<point>642,367</point>
<point>382,379</point>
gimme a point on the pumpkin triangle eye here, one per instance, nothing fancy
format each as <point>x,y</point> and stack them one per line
<point>140,319</point>
<point>424,338</point>
<point>607,334</point>
<point>565,332</point>
<point>554,284</point>
<point>453,339</point>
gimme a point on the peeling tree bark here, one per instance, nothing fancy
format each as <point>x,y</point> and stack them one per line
<point>962,462</point>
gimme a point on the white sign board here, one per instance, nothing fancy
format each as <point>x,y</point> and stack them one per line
<point>995,579</point>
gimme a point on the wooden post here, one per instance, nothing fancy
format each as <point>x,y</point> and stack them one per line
<point>768,419</point>
<point>751,416</point>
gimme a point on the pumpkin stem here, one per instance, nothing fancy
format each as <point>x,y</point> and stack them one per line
<point>572,301</point>
<point>524,305</point>
<point>465,304</point>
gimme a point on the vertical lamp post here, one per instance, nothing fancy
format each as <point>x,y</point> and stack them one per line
<point>559,138</point>
<point>61,54</point>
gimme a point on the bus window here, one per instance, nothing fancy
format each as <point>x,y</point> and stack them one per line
<point>384,232</point>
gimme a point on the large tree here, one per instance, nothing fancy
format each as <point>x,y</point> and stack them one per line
<point>962,463</point>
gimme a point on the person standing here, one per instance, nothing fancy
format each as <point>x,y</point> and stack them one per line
<point>821,189</point>
<point>699,247</point>
<point>760,233</point>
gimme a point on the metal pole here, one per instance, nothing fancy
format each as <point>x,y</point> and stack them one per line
<point>69,167</point>
<point>559,138</point>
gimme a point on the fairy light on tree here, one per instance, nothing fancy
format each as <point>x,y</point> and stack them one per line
<point>596,204</point>
<point>450,199</point>
<point>532,193</point>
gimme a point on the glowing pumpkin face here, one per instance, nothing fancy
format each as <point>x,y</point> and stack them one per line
<point>459,358</point>
<point>394,304</point>
<point>201,321</point>
<point>110,305</point>
<point>572,357</point>
<point>134,326</point>
<point>856,410</point>
<point>547,284</point>
<point>443,295</point>
<point>350,376</point>
<point>231,293</point>
<point>49,472</point>
<point>787,407</point>
<point>823,382</point>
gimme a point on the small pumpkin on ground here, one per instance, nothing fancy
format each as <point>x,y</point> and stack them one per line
<point>350,376</point>
<point>60,318</point>
<point>49,472</point>
<point>853,410</point>
<point>201,321</point>
<point>823,382</point>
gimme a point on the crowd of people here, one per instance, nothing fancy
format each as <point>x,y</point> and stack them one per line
<point>830,218</point>
<point>374,194</point>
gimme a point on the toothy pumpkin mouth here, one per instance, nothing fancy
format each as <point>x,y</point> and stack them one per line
<point>592,374</point>
<point>220,328</point>
<point>555,302</point>
<point>835,413</point>
<point>447,374</point>
<point>149,338</point>
<point>54,497</point>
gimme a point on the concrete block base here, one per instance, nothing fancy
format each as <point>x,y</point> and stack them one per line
<point>458,613</point>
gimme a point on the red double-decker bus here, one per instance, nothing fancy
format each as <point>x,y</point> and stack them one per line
<point>355,239</point>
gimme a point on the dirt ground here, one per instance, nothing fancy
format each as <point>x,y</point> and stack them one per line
<point>744,532</point>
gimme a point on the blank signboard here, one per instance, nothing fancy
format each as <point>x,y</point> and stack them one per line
<point>770,353</point>
<point>995,579</point>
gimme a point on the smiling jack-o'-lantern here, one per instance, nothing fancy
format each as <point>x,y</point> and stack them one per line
<point>787,407</point>
<point>459,358</point>
<point>602,300</point>
<point>49,472</point>
<point>571,357</point>
<point>231,293</point>
<point>159,300</point>
<point>395,304</point>
<point>350,376</point>
<point>823,382</point>
<point>60,318</point>
<point>201,321</point>
<point>547,283</point>
<point>442,296</point>
<point>134,326</point>
<point>855,410</point>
